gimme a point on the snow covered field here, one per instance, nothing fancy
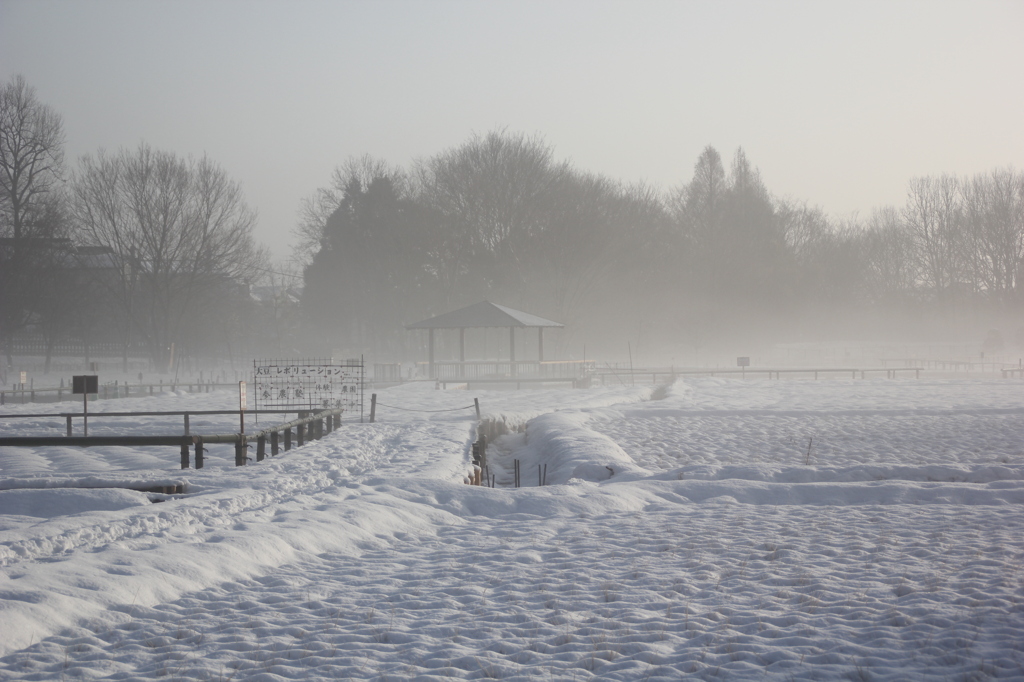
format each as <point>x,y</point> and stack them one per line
<point>718,528</point>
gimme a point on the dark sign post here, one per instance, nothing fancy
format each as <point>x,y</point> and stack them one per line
<point>743,363</point>
<point>85,385</point>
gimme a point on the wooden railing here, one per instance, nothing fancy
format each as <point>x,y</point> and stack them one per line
<point>28,394</point>
<point>610,375</point>
<point>309,426</point>
<point>479,370</point>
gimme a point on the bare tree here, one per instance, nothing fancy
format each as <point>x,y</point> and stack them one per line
<point>31,166</point>
<point>31,153</point>
<point>934,217</point>
<point>892,270</point>
<point>994,214</point>
<point>180,232</point>
<point>497,193</point>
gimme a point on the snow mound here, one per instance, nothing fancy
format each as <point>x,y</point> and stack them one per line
<point>571,450</point>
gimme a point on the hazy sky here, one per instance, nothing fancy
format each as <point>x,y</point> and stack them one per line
<point>837,103</point>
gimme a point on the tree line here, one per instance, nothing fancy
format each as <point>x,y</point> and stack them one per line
<point>140,248</point>
<point>718,258</point>
<point>151,251</point>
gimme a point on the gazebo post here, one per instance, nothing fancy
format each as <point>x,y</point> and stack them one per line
<point>512,350</point>
<point>483,315</point>
<point>431,354</point>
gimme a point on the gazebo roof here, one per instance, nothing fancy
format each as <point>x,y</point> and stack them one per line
<point>483,314</point>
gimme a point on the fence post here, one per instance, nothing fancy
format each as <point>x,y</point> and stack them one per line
<point>261,446</point>
<point>273,443</point>
<point>184,454</point>
<point>373,407</point>
<point>300,432</point>
<point>198,440</point>
<point>288,439</point>
<point>476,404</point>
<point>320,427</point>
<point>186,424</point>
<point>240,451</point>
<point>69,425</point>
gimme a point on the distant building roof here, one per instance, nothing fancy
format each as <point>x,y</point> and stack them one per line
<point>483,314</point>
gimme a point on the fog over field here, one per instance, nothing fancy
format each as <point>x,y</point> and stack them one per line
<point>673,178</point>
<point>691,332</point>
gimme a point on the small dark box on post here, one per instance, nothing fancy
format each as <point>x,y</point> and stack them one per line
<point>85,384</point>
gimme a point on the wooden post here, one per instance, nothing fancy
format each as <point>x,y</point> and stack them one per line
<point>512,351</point>
<point>320,428</point>
<point>540,344</point>
<point>373,407</point>
<point>430,366</point>
<point>300,433</point>
<point>476,404</point>
<point>186,424</point>
<point>261,447</point>
<point>198,440</point>
<point>240,451</point>
<point>69,425</point>
<point>184,454</point>
<point>288,439</point>
<point>273,443</point>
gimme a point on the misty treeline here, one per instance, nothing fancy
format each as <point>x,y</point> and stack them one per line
<point>147,251</point>
<point>139,249</point>
<point>717,259</point>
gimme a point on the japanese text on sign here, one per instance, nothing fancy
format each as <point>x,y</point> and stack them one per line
<point>308,384</point>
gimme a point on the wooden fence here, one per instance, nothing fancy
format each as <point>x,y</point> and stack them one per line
<point>308,426</point>
<point>28,394</point>
<point>481,370</point>
<point>631,376</point>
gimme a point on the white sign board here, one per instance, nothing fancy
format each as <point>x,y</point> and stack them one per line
<point>243,402</point>
<point>308,384</point>
<point>743,362</point>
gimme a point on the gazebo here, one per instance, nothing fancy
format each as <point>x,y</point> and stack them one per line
<point>485,314</point>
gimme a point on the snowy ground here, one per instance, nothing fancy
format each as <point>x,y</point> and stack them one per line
<point>721,528</point>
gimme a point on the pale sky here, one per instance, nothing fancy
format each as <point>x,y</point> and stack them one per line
<point>837,103</point>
